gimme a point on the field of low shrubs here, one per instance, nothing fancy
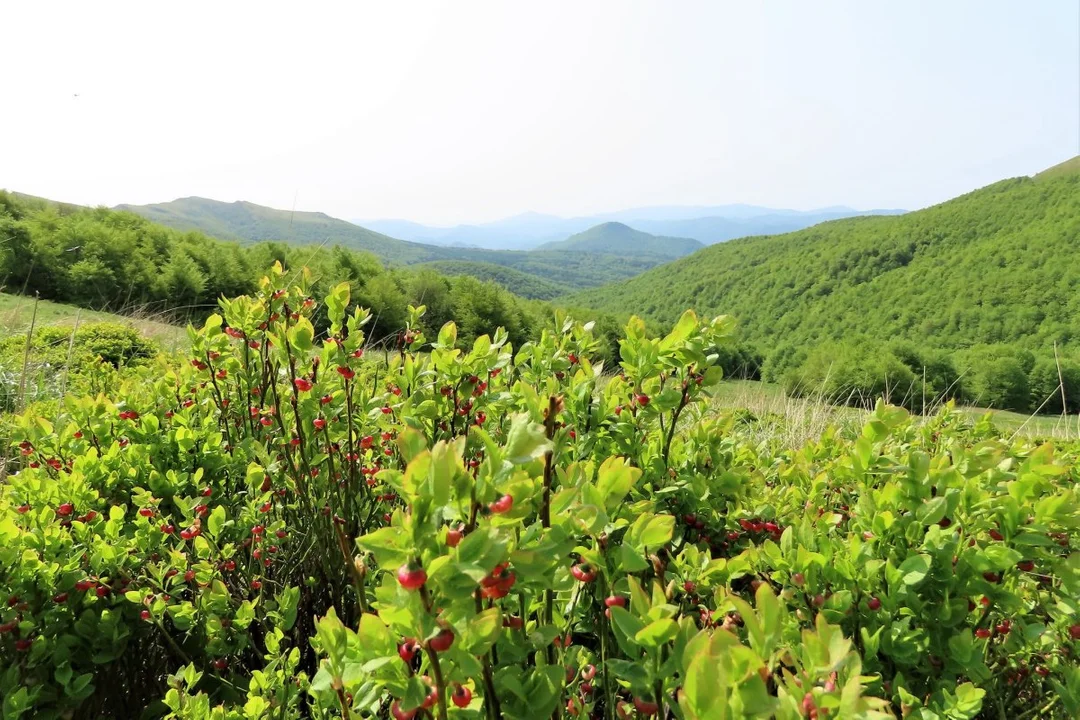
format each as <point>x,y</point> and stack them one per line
<point>286,524</point>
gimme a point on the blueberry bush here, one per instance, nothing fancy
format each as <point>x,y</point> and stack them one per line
<point>288,525</point>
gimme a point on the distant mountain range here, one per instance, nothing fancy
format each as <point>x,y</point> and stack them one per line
<point>605,254</point>
<point>535,255</point>
<point>706,224</point>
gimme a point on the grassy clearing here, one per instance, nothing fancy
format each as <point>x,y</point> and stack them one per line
<point>16,312</point>
<point>793,421</point>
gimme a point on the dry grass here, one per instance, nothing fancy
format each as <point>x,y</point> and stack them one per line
<point>791,421</point>
<point>772,416</point>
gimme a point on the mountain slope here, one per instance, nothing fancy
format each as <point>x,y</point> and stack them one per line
<point>519,282</point>
<point>616,238</point>
<point>1000,264</point>
<point>249,222</point>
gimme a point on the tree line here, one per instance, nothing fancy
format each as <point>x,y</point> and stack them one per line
<point>117,261</point>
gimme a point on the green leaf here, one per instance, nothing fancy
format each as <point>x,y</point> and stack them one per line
<point>650,530</point>
<point>915,569</point>
<point>216,521</point>
<point>932,511</point>
<point>657,633</point>
<point>448,335</point>
<point>482,631</point>
<point>525,440</point>
<point>302,335</point>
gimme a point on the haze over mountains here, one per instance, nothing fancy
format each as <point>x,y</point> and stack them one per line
<point>706,224</point>
<point>606,253</point>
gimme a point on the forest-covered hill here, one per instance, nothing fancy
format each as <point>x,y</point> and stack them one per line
<point>998,267</point>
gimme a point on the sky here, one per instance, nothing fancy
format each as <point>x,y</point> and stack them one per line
<point>469,111</point>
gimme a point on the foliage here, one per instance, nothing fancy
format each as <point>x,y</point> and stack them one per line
<point>60,359</point>
<point>282,526</point>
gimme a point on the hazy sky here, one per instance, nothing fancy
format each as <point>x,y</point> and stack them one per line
<point>468,111</point>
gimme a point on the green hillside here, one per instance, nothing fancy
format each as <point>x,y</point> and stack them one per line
<point>520,283</point>
<point>996,267</point>
<point>248,222</point>
<point>569,267</point>
<point>615,238</point>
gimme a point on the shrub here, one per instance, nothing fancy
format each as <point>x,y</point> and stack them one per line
<point>281,527</point>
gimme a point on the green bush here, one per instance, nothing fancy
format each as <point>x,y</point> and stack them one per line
<point>64,359</point>
<point>264,532</point>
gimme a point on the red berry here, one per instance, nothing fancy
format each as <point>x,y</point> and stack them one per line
<point>583,572</point>
<point>60,597</point>
<point>645,707</point>
<point>399,714</point>
<point>1026,565</point>
<point>407,650</point>
<point>613,600</point>
<point>982,633</point>
<point>461,696</point>
<point>642,399</point>
<point>319,423</point>
<point>996,535</point>
<point>221,663</point>
<point>797,579</point>
<point>23,644</point>
<point>23,509</point>
<point>411,577</point>
<point>145,614</point>
<point>65,509</point>
<point>502,505</point>
<point>303,384</point>
<point>442,641</point>
<point>874,604</point>
<point>146,512</point>
<point>1074,631</point>
<point>453,537</point>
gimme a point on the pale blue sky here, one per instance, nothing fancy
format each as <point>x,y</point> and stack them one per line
<point>470,111</point>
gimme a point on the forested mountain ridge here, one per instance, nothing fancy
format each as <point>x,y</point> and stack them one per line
<point>615,238</point>
<point>992,278</point>
<point>248,222</point>
<point>998,264</point>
